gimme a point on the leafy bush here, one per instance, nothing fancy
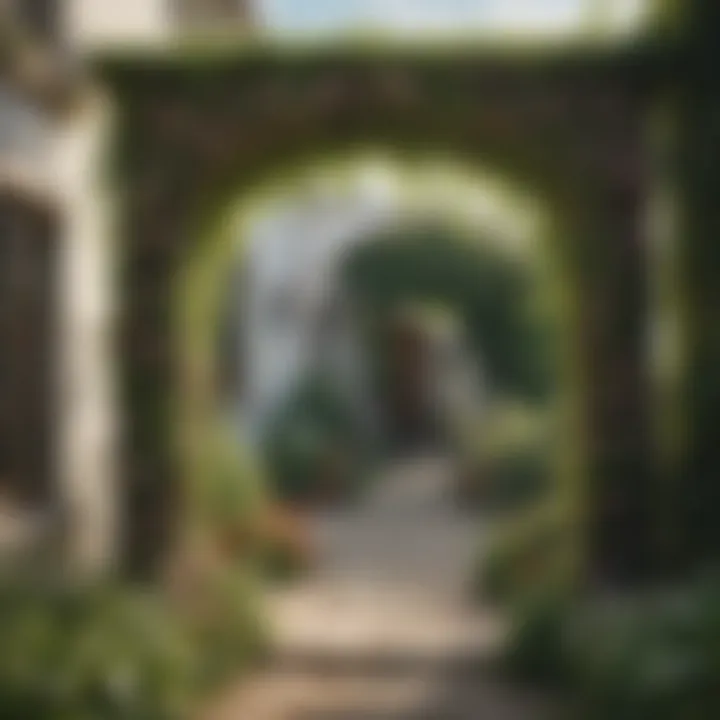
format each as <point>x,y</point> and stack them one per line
<point>80,654</point>
<point>314,446</point>
<point>538,650</point>
<point>647,657</point>
<point>537,549</point>
<point>507,460</point>
<point>241,524</point>
<point>71,652</point>
<point>228,629</point>
<point>651,658</point>
<point>232,495</point>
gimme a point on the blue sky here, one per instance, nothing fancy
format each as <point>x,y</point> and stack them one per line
<point>423,15</point>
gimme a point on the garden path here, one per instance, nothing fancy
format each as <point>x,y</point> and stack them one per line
<point>384,629</point>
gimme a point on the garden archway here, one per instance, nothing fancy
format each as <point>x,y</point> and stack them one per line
<point>194,131</point>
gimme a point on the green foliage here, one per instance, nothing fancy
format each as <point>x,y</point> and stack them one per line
<point>282,562</point>
<point>697,109</point>
<point>232,490</point>
<point>508,459</point>
<point>240,516</point>
<point>230,630</point>
<point>490,290</point>
<point>539,548</point>
<point>79,654</point>
<point>314,445</point>
<point>286,553</point>
<point>650,657</point>
<point>538,650</point>
<point>73,652</point>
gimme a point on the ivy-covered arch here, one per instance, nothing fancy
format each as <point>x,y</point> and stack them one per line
<point>195,130</point>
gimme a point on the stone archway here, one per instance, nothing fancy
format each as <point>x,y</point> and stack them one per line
<point>195,130</point>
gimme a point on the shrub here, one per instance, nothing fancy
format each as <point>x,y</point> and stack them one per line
<point>227,628</point>
<point>651,658</point>
<point>287,546</point>
<point>75,652</point>
<point>507,459</point>
<point>538,650</point>
<point>314,447</point>
<point>536,549</point>
<point>81,654</point>
<point>241,527</point>
<point>648,657</point>
<point>232,496</point>
<point>78,652</point>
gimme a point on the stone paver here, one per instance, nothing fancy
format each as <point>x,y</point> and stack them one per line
<point>383,629</point>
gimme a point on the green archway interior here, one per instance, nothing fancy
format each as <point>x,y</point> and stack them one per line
<point>200,293</point>
<point>505,301</point>
<point>199,296</point>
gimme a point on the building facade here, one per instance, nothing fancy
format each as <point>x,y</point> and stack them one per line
<point>57,380</point>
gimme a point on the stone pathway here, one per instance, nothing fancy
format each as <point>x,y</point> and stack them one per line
<point>383,629</point>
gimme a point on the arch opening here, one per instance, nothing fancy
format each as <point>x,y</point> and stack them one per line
<point>305,245</point>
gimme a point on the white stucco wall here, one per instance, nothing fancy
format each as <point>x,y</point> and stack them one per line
<point>60,163</point>
<point>96,23</point>
<point>295,257</point>
<point>86,459</point>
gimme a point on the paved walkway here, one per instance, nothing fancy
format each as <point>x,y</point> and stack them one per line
<point>383,629</point>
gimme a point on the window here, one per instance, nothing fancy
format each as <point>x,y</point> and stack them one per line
<point>28,241</point>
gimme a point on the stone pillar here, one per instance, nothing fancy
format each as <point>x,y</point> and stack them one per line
<point>698,486</point>
<point>152,492</point>
<point>615,345</point>
<point>87,411</point>
<point>162,183</point>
